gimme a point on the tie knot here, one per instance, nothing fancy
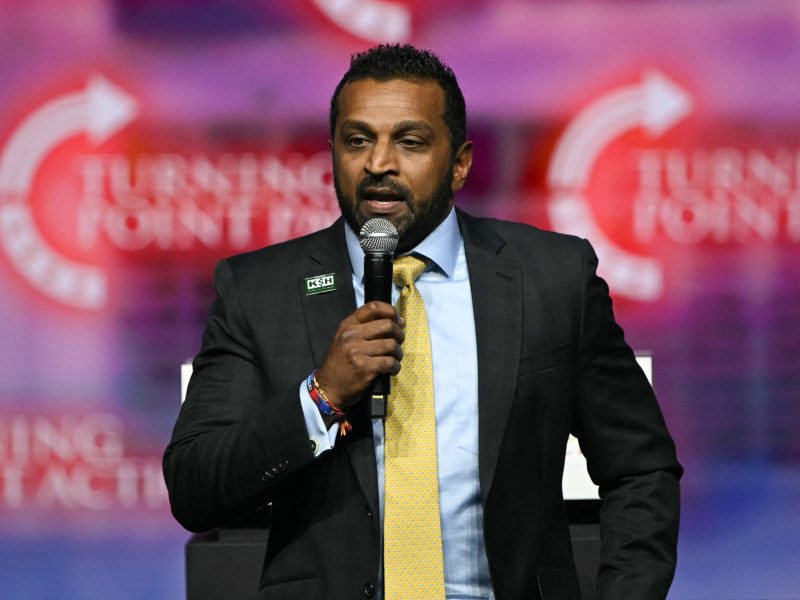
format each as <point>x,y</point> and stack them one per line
<point>407,269</point>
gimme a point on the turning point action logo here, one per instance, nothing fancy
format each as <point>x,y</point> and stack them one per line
<point>734,194</point>
<point>100,111</point>
<point>187,202</point>
<point>655,104</point>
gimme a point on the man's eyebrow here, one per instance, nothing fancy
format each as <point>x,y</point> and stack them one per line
<point>401,126</point>
<point>409,125</point>
<point>355,124</point>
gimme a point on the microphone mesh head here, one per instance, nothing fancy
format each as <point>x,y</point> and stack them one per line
<point>378,235</point>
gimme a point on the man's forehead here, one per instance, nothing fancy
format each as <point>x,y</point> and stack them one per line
<point>414,99</point>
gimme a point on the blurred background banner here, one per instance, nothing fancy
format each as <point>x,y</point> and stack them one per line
<point>143,140</point>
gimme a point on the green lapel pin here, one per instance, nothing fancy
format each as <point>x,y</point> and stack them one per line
<point>320,284</point>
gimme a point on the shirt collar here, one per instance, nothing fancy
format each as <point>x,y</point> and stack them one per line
<point>441,247</point>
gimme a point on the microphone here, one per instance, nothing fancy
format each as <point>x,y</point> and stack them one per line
<point>378,239</point>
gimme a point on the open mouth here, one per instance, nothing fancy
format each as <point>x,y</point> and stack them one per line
<point>381,200</point>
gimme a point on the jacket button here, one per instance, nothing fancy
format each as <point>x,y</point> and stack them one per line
<point>369,513</point>
<point>265,476</point>
<point>369,590</point>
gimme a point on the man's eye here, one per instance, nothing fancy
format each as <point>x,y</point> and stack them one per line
<point>411,142</point>
<point>357,141</point>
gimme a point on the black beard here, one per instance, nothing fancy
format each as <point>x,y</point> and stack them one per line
<point>423,216</point>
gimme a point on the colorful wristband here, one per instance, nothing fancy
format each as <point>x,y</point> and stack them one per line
<point>323,404</point>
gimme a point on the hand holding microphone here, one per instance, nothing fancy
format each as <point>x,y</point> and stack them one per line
<point>366,348</point>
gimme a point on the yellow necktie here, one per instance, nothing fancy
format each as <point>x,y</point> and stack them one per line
<point>412,533</point>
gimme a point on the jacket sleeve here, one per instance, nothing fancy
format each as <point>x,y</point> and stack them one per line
<point>630,454</point>
<point>233,443</point>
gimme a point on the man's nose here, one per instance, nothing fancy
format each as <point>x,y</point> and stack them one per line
<point>383,159</point>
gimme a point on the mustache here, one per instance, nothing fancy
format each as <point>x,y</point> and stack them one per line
<point>387,186</point>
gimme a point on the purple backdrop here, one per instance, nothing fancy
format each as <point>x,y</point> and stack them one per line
<point>141,141</point>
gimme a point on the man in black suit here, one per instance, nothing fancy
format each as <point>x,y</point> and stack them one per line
<point>548,354</point>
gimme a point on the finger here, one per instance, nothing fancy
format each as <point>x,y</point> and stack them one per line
<point>384,347</point>
<point>375,310</point>
<point>383,328</point>
<point>386,365</point>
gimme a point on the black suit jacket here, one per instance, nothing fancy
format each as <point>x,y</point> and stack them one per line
<point>551,360</point>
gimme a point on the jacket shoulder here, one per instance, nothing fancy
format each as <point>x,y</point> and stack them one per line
<point>518,234</point>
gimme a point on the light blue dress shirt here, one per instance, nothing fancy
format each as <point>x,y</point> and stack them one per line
<point>445,289</point>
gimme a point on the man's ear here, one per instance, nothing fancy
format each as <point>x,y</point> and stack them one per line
<point>461,166</point>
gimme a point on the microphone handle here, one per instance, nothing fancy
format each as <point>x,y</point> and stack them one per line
<point>378,286</point>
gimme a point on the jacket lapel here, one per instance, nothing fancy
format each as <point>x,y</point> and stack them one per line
<point>323,313</point>
<point>496,285</point>
<point>324,310</point>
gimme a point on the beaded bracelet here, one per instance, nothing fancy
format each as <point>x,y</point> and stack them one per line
<point>323,404</point>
